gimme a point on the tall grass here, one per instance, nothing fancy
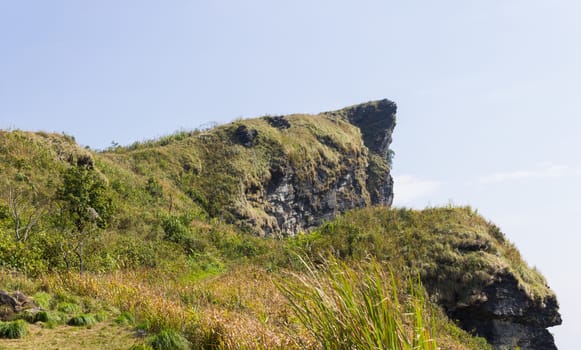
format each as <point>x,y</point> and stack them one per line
<point>358,308</point>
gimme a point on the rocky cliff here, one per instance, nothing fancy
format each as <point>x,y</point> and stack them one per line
<point>466,265</point>
<point>280,175</point>
<point>359,179</point>
<point>508,317</point>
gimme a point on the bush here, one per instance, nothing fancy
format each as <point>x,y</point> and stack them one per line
<point>42,299</point>
<point>82,320</point>
<point>13,330</point>
<point>49,319</point>
<point>125,318</point>
<point>169,340</point>
<point>68,308</point>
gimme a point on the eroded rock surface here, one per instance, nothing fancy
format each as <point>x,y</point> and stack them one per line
<point>358,180</point>
<point>508,317</point>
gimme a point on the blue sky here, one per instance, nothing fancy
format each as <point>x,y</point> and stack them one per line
<point>487,92</point>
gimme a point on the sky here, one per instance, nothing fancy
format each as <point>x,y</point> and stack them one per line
<point>487,92</point>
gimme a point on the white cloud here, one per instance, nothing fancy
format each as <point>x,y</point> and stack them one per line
<point>543,171</point>
<point>408,188</point>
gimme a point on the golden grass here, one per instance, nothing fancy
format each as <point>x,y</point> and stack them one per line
<point>129,291</point>
<point>103,335</point>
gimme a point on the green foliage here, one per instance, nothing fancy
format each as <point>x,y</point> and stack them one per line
<point>169,340</point>
<point>14,329</point>
<point>444,245</point>
<point>176,228</point>
<point>42,299</point>
<point>68,307</point>
<point>84,320</point>
<point>50,318</point>
<point>85,207</point>
<point>358,308</point>
<point>125,318</point>
<point>154,188</point>
<point>141,347</point>
<point>84,198</point>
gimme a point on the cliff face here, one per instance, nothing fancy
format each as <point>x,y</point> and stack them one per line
<point>465,263</point>
<point>280,175</point>
<point>358,180</point>
<point>508,317</point>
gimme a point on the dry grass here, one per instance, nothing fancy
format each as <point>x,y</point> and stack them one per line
<point>101,336</point>
<point>129,291</point>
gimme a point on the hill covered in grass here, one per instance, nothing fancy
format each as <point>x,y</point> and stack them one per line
<point>201,237</point>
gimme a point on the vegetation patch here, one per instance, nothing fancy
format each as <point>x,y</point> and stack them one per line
<point>359,308</point>
<point>169,340</point>
<point>14,329</point>
<point>84,320</point>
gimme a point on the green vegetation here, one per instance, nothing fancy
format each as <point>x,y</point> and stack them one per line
<point>162,237</point>
<point>169,340</point>
<point>82,320</point>
<point>359,308</point>
<point>14,329</point>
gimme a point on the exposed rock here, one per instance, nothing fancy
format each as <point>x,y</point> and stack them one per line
<point>297,207</point>
<point>377,121</point>
<point>358,180</point>
<point>508,317</point>
<point>279,122</point>
<point>245,136</point>
<point>11,304</point>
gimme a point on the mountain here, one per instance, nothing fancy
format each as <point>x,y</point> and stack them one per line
<point>202,198</point>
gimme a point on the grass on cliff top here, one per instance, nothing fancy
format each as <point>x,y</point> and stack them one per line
<point>215,171</point>
<point>210,172</point>
<point>455,248</point>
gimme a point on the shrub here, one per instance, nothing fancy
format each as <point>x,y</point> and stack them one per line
<point>82,320</point>
<point>101,316</point>
<point>68,308</point>
<point>125,318</point>
<point>49,317</point>
<point>169,340</point>
<point>42,299</point>
<point>13,330</point>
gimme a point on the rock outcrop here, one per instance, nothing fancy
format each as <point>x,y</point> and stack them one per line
<point>510,318</point>
<point>13,303</point>
<point>356,181</point>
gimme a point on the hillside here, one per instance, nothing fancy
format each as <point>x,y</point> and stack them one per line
<point>197,232</point>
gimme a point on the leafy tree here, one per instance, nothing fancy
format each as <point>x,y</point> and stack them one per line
<point>84,209</point>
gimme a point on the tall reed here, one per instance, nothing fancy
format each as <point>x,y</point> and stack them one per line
<point>358,307</point>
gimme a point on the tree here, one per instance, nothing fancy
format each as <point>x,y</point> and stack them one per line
<point>25,209</point>
<point>84,209</point>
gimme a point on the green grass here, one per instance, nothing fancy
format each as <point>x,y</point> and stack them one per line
<point>188,208</point>
<point>169,340</point>
<point>14,329</point>
<point>125,318</point>
<point>85,320</point>
<point>359,308</point>
<point>455,250</point>
<point>68,307</point>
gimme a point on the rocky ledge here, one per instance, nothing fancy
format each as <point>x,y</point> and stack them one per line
<point>343,163</point>
<point>510,318</point>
